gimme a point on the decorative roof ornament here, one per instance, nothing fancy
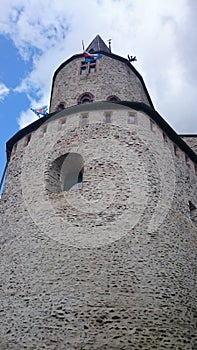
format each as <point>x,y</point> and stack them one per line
<point>132,58</point>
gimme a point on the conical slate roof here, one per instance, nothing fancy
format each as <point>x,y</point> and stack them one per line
<point>97,44</point>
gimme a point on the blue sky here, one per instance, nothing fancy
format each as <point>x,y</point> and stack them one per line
<point>37,36</point>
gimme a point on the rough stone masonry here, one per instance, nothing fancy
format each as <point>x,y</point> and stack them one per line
<point>108,263</point>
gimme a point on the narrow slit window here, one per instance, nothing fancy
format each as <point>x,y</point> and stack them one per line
<point>44,131</point>
<point>165,137</point>
<point>14,149</point>
<point>84,119</point>
<point>107,118</point>
<point>132,118</point>
<point>176,151</point>
<point>187,160</point>
<point>152,126</point>
<point>27,140</point>
<point>63,124</point>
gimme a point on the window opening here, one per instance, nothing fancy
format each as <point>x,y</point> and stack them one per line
<point>92,68</point>
<point>187,160</point>
<point>113,98</point>
<point>65,173</point>
<point>108,118</point>
<point>152,126</point>
<point>87,97</point>
<point>71,174</point>
<point>63,124</point>
<point>87,67</point>
<point>83,69</point>
<point>84,119</point>
<point>86,100</point>
<point>132,118</point>
<point>14,148</point>
<point>44,131</point>
<point>60,107</point>
<point>165,137</point>
<point>27,139</point>
<point>176,151</point>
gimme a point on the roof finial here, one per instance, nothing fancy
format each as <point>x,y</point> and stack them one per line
<point>132,58</point>
<point>109,41</point>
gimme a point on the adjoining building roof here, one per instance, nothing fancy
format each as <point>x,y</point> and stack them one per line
<point>97,44</point>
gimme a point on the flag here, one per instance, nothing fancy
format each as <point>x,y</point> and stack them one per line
<point>92,57</point>
<point>40,111</point>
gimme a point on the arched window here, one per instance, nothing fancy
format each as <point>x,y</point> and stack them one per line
<point>60,107</point>
<point>71,174</point>
<point>113,98</point>
<point>65,173</point>
<point>87,97</point>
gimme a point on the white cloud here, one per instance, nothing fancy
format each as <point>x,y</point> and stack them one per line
<point>26,117</point>
<point>162,34</point>
<point>4,91</point>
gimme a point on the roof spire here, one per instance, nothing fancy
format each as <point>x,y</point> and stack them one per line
<point>97,44</point>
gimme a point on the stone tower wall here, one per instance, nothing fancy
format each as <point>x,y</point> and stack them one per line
<point>191,141</point>
<point>113,77</point>
<point>110,266</point>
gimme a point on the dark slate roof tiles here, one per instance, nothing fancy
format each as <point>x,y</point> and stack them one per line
<point>97,44</point>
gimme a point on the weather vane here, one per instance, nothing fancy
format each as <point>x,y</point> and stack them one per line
<point>109,41</point>
<point>132,58</point>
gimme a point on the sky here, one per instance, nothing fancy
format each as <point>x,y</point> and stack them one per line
<point>36,36</point>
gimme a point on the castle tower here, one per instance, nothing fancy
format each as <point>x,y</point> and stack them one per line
<point>98,218</point>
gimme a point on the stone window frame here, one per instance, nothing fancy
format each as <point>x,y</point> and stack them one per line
<point>43,131</point>
<point>187,160</point>
<point>113,98</point>
<point>176,151</point>
<point>107,113</point>
<point>132,114</point>
<point>27,140</point>
<point>14,148</point>
<point>85,95</point>
<point>165,137</point>
<point>88,66</point>
<point>153,126</point>
<point>62,122</point>
<point>60,107</point>
<point>84,114</point>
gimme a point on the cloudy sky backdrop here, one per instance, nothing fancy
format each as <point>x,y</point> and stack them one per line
<point>36,36</point>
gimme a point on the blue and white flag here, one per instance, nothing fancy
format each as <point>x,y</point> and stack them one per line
<point>40,111</point>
